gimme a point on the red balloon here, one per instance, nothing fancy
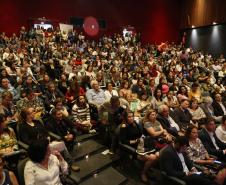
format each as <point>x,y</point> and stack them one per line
<point>91,26</point>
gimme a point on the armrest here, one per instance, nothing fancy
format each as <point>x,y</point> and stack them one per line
<point>54,136</point>
<point>174,179</point>
<point>22,145</point>
<point>127,148</point>
<point>14,153</point>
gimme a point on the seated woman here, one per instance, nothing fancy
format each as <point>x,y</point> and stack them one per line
<point>7,177</point>
<point>44,165</point>
<point>130,133</point>
<point>109,92</point>
<point>58,104</point>
<point>29,128</point>
<point>157,100</point>
<point>198,154</point>
<point>81,115</point>
<point>182,93</point>
<point>196,150</point>
<point>221,130</point>
<point>8,142</point>
<point>144,104</point>
<point>155,129</point>
<point>170,100</point>
<point>125,89</point>
<point>196,111</point>
<point>195,92</point>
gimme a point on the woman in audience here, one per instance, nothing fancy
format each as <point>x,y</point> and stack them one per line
<point>7,177</point>
<point>110,91</point>
<point>196,150</point>
<point>195,92</point>
<point>8,142</point>
<point>221,130</point>
<point>157,100</point>
<point>44,165</point>
<point>198,154</point>
<point>58,104</point>
<point>73,92</point>
<point>29,128</point>
<point>154,128</point>
<point>130,133</point>
<point>182,93</point>
<point>196,111</point>
<point>81,115</point>
<point>170,100</point>
<point>125,89</point>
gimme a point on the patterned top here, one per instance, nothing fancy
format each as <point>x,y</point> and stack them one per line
<point>80,114</point>
<point>197,114</point>
<point>196,150</point>
<point>8,140</point>
<point>36,103</point>
<point>156,125</point>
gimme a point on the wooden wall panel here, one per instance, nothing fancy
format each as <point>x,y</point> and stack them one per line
<point>202,12</point>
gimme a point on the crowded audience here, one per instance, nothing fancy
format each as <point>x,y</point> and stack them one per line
<point>76,86</point>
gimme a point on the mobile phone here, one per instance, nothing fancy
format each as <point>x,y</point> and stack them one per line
<point>217,162</point>
<point>197,173</point>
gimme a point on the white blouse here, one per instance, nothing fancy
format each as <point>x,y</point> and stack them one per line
<point>34,174</point>
<point>108,95</point>
<point>221,134</point>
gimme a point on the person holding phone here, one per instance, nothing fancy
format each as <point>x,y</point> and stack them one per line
<point>175,162</point>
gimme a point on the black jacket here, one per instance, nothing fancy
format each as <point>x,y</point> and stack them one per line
<point>166,125</point>
<point>171,163</point>
<point>182,118</point>
<point>218,111</point>
<point>208,144</point>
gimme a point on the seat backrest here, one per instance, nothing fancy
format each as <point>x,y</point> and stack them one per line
<point>20,170</point>
<point>13,125</point>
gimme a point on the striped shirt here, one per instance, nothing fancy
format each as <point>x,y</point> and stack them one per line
<point>80,114</point>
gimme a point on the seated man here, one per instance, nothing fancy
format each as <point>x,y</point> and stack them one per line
<point>210,141</point>
<point>95,95</point>
<point>182,115</point>
<point>63,127</point>
<point>219,107</point>
<point>166,121</point>
<point>176,163</point>
<point>110,116</point>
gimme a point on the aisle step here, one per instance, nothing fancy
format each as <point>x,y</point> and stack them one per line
<point>86,148</point>
<point>85,137</point>
<point>108,176</point>
<point>94,164</point>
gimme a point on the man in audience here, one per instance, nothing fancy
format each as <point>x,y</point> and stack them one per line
<point>182,115</point>
<point>63,127</point>
<point>95,95</point>
<point>175,162</point>
<point>167,121</point>
<point>219,107</point>
<point>209,139</point>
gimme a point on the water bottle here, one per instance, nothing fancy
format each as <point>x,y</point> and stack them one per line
<point>140,146</point>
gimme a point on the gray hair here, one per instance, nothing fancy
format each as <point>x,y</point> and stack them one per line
<point>162,107</point>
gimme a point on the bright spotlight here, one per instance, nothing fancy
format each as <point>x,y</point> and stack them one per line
<point>214,23</point>
<point>193,26</point>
